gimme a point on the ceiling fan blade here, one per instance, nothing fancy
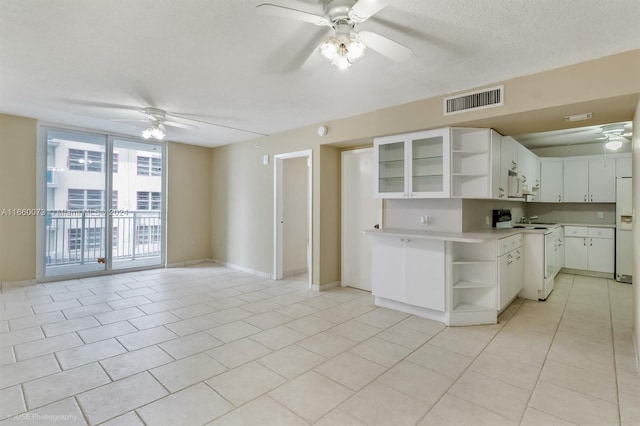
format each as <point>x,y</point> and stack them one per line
<point>364,9</point>
<point>313,61</point>
<point>96,104</point>
<point>298,15</point>
<point>180,125</point>
<point>389,48</point>
<point>129,120</point>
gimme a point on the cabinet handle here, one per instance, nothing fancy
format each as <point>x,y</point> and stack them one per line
<point>585,197</point>
<point>584,242</point>
<point>591,197</point>
<point>524,178</point>
<point>559,198</point>
<point>591,242</point>
<point>514,165</point>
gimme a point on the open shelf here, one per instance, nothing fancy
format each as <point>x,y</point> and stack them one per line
<point>470,261</point>
<point>472,284</point>
<point>470,307</point>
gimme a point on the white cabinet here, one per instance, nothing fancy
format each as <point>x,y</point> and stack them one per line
<point>602,180</point>
<point>473,154</point>
<point>589,248</point>
<point>509,154</point>
<point>414,165</point>
<point>409,271</point>
<point>510,269</point>
<point>529,172</point>
<point>576,181</point>
<point>623,167</point>
<point>473,283</point>
<point>551,181</point>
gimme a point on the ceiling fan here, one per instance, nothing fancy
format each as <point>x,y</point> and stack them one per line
<point>157,119</point>
<point>615,135</point>
<point>347,45</point>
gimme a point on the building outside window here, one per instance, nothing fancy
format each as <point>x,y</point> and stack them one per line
<point>149,200</point>
<point>149,166</point>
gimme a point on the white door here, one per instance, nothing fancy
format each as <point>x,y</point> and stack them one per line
<point>575,253</point>
<point>576,181</point>
<point>602,181</point>
<point>601,258</point>
<point>360,211</point>
<point>551,175</point>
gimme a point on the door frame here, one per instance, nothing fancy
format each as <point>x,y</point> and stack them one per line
<point>278,203</point>
<point>41,201</point>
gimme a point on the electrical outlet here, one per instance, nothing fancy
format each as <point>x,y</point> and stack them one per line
<point>424,220</point>
<point>487,220</point>
<point>600,215</point>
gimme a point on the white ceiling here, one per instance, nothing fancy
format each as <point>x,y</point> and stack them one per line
<point>75,61</point>
<point>569,137</point>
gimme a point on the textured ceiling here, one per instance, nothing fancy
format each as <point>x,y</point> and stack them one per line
<point>74,61</point>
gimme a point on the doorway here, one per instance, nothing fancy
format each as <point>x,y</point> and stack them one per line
<point>360,211</point>
<point>292,214</point>
<point>103,204</point>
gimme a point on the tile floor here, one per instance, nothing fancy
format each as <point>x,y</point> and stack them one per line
<point>211,345</point>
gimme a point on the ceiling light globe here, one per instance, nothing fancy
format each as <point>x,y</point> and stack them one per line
<point>329,49</point>
<point>146,133</point>
<point>355,49</point>
<point>613,145</point>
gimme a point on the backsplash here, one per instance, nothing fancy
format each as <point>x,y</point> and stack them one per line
<point>475,212</point>
<point>442,214</point>
<point>573,212</point>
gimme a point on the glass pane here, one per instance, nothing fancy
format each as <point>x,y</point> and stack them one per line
<point>391,167</point>
<point>137,219</point>
<point>427,164</point>
<point>75,222</point>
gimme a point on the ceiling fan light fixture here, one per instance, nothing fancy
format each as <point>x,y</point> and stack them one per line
<point>613,144</point>
<point>155,131</point>
<point>342,51</point>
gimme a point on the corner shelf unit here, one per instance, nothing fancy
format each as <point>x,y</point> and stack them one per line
<point>470,163</point>
<point>473,283</point>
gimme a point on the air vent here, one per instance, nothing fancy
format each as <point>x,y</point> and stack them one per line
<point>487,98</point>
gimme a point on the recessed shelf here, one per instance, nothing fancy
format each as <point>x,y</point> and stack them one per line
<point>469,174</point>
<point>468,151</point>
<point>430,157</point>
<point>472,284</point>
<point>387,162</point>
<point>469,307</point>
<point>466,261</point>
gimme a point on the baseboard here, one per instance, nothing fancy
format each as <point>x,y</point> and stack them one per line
<point>261,274</point>
<point>189,263</point>
<point>587,273</point>
<point>14,284</point>
<point>636,348</point>
<point>326,286</point>
<point>295,272</point>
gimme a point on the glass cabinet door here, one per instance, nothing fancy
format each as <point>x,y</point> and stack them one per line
<point>430,164</point>
<point>391,168</point>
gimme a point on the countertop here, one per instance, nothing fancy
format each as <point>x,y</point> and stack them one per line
<point>480,236</point>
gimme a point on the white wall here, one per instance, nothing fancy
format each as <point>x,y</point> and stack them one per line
<point>586,213</point>
<point>296,218</point>
<point>475,212</point>
<point>443,214</point>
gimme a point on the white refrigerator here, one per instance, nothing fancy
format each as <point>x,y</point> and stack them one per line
<point>624,230</point>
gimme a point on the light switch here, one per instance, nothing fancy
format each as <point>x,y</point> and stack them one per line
<point>265,159</point>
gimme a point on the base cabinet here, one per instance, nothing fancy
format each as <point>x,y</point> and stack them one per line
<point>510,276</point>
<point>410,271</point>
<point>589,249</point>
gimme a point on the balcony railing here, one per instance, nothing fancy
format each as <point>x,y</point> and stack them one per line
<point>79,236</point>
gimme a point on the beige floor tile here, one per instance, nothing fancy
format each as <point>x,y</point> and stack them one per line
<point>378,404</point>
<point>134,362</point>
<point>226,303</point>
<point>517,352</point>
<point>191,325</point>
<point>341,313</point>
<point>379,318</point>
<point>187,371</point>
<point>417,382</point>
<point>441,361</point>
<point>35,320</point>
<point>7,356</point>
<point>452,411</point>
<point>629,409</point>
<point>244,383</point>
<point>85,311</point>
<point>11,402</point>
<point>238,352</point>
<point>86,354</point>
<point>64,327</point>
<point>263,411</point>
<point>190,345</point>
<point>297,310</point>
<point>327,344</point>
<point>355,330</point>
<point>123,396</point>
<point>261,306</point>
<point>141,339</point>
<point>310,395</point>
<point>95,334</point>
<point>55,306</point>
<point>573,406</point>
<point>321,302</point>
<point>589,382</point>
<point>192,311</point>
<point>458,343</point>
<point>154,320</point>
<point>129,419</point>
<point>581,355</point>
<point>21,336</point>
<point>500,397</point>
<point>350,370</point>
<point>507,370</point>
<point>229,315</point>
<point>163,306</point>
<point>45,346</point>
<point>10,314</point>
<point>423,325</point>
<point>310,325</point>
<point>23,371</point>
<point>628,382</point>
<point>533,417</point>
<point>138,301</point>
<point>196,405</point>
<point>380,351</point>
<point>62,385</point>
<point>278,337</point>
<point>64,412</point>
<point>291,361</point>
<point>267,320</point>
<point>233,331</point>
<point>338,417</point>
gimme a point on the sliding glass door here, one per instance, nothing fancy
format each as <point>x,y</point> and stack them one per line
<point>104,203</point>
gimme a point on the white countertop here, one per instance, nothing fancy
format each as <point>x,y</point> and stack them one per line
<point>480,236</point>
<point>591,225</point>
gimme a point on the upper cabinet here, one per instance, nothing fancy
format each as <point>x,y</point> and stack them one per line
<point>473,156</point>
<point>529,171</point>
<point>551,178</point>
<point>576,184</point>
<point>413,165</point>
